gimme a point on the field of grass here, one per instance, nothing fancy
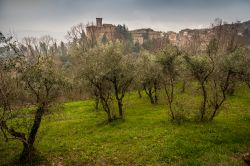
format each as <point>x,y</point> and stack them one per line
<point>77,135</point>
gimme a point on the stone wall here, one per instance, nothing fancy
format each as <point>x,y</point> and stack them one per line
<point>99,31</point>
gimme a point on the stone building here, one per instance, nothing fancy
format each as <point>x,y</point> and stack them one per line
<point>100,30</point>
<point>172,37</point>
<point>140,35</point>
<point>199,38</point>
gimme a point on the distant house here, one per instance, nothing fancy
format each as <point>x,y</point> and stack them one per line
<point>140,35</point>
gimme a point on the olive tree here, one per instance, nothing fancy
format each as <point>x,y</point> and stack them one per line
<point>36,74</point>
<point>228,67</point>
<point>201,69</point>
<point>94,71</point>
<point>149,75</point>
<point>215,68</point>
<point>168,58</point>
<point>120,71</point>
<point>109,71</point>
<point>242,69</point>
<point>227,53</point>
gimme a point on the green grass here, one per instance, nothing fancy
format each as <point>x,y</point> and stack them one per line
<point>78,136</point>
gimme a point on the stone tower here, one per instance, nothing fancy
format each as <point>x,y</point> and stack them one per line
<point>98,22</point>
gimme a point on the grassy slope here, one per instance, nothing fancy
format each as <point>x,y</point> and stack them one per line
<point>77,136</point>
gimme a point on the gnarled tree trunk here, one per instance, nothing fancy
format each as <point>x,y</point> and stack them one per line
<point>120,108</point>
<point>204,101</point>
<point>149,91</point>
<point>28,148</point>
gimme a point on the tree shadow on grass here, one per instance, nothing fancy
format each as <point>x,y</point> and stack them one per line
<point>105,122</point>
<point>36,159</point>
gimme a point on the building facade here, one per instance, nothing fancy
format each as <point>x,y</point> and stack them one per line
<point>100,30</point>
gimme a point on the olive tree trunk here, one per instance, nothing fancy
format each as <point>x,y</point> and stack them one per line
<point>28,148</point>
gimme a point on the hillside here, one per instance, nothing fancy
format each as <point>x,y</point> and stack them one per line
<point>76,135</point>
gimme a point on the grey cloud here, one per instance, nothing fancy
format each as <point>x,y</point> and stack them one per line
<point>52,16</point>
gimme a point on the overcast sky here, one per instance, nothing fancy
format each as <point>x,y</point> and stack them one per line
<point>55,17</point>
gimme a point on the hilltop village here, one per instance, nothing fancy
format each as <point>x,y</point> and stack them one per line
<point>109,31</point>
<point>139,35</point>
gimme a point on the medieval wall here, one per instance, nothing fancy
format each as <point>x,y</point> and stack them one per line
<point>99,30</point>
